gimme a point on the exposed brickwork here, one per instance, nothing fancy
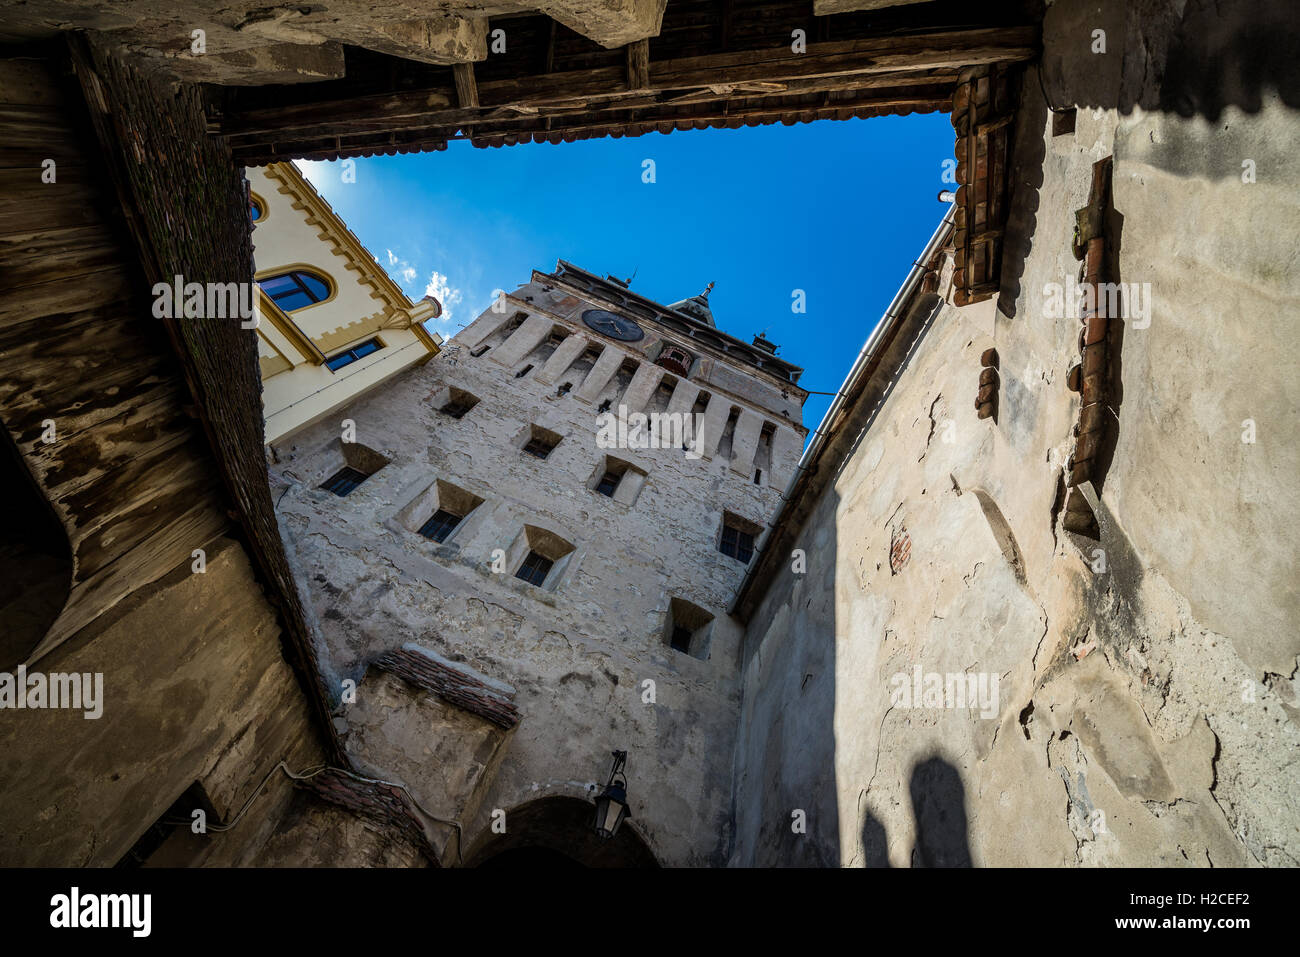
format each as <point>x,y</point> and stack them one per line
<point>1089,377</point>
<point>986,400</point>
<point>452,685</point>
<point>900,549</point>
<point>983,107</point>
<point>382,803</point>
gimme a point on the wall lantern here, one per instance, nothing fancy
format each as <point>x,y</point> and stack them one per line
<point>611,806</point>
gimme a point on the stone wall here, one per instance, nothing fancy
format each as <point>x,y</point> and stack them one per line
<point>1146,706</point>
<point>578,650</point>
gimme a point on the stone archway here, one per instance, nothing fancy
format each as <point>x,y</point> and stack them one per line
<point>557,833</point>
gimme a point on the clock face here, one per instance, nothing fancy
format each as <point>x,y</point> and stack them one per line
<point>614,326</point>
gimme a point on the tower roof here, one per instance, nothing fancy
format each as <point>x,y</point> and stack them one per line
<point>697,307</point>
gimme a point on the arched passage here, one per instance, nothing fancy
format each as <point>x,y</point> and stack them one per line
<point>557,832</point>
<point>35,560</point>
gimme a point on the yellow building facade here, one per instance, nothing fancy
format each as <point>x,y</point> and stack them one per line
<point>331,323</point>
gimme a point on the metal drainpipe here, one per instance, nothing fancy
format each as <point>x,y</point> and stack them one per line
<point>865,356</point>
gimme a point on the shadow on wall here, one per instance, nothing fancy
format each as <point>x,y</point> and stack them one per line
<point>939,813</point>
<point>1195,58</point>
<point>1193,63</point>
<point>786,776</point>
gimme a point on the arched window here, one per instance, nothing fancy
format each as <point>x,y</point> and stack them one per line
<point>293,290</point>
<point>255,210</point>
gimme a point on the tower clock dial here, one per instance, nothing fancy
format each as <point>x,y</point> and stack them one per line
<point>614,326</point>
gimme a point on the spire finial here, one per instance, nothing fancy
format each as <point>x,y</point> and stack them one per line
<point>707,289</point>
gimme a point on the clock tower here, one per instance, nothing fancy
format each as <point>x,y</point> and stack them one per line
<point>496,525</point>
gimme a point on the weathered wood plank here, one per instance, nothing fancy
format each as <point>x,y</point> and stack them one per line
<point>28,304</point>
<point>128,504</point>
<point>30,82</point>
<point>466,88</point>
<point>51,255</point>
<point>33,134</point>
<point>944,50</point>
<point>638,65</point>
<point>169,547</point>
<point>25,201</point>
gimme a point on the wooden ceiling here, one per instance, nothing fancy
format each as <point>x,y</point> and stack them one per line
<point>715,63</point>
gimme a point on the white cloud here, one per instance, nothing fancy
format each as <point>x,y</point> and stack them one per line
<point>441,289</point>
<point>408,274</point>
<point>392,258</point>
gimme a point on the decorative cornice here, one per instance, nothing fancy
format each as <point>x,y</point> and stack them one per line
<point>343,242</point>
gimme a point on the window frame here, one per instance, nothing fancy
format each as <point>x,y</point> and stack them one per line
<point>332,483</point>
<point>442,525</point>
<point>351,354</point>
<point>541,443</point>
<point>737,544</point>
<point>293,272</point>
<point>600,486</point>
<point>528,568</point>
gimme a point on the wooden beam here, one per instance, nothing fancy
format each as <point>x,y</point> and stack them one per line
<point>638,65</point>
<point>924,88</point>
<point>944,51</point>
<point>466,88</point>
<point>531,129</point>
<point>549,63</point>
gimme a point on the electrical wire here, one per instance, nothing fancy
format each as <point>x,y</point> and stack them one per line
<point>310,773</point>
<point>1038,68</point>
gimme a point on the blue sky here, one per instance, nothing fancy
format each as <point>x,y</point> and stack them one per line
<point>836,209</point>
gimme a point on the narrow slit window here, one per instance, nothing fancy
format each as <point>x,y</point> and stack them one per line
<point>334,363</point>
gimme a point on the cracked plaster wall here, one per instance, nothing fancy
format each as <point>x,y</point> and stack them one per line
<point>1160,692</point>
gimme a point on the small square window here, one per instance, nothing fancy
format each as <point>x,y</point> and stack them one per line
<point>534,569</point>
<point>344,481</point>
<point>608,483</point>
<point>688,628</point>
<point>457,403</point>
<point>737,544</point>
<point>539,446</point>
<point>440,525</point>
